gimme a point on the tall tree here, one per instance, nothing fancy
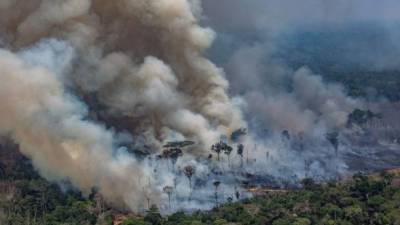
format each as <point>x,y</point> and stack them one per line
<point>228,150</point>
<point>168,190</point>
<point>333,138</point>
<point>217,148</point>
<point>189,171</point>
<point>216,185</point>
<point>240,149</point>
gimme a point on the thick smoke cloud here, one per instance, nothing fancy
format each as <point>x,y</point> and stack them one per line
<point>50,127</point>
<point>69,66</point>
<point>159,57</point>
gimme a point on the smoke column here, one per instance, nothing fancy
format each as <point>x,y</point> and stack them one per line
<point>140,60</point>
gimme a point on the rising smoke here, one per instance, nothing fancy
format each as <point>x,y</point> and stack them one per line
<point>86,82</point>
<point>141,60</point>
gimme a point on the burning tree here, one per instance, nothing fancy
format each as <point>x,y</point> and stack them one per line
<point>189,171</point>
<point>168,190</point>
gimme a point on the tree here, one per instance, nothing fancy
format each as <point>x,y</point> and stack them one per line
<point>240,150</point>
<point>228,150</point>
<point>216,185</point>
<point>221,147</point>
<point>189,171</point>
<point>153,216</point>
<point>173,154</point>
<point>217,148</point>
<point>387,177</point>
<point>360,117</point>
<point>361,185</point>
<point>307,166</point>
<point>237,193</point>
<point>168,190</point>
<point>286,135</point>
<point>308,183</point>
<point>355,214</point>
<point>302,221</point>
<point>333,138</point>
<point>135,222</point>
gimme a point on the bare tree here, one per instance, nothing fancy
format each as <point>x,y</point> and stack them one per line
<point>333,138</point>
<point>217,148</point>
<point>189,171</point>
<point>237,194</point>
<point>286,135</point>
<point>216,185</point>
<point>228,150</point>
<point>307,167</point>
<point>172,154</point>
<point>168,190</point>
<point>240,149</point>
<point>221,147</point>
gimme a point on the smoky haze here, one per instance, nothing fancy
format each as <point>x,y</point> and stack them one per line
<point>226,14</point>
<point>263,53</point>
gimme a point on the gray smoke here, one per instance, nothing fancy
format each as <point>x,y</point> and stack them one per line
<point>298,101</point>
<point>251,47</point>
<point>139,60</point>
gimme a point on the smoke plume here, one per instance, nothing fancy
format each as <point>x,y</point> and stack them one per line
<point>137,60</point>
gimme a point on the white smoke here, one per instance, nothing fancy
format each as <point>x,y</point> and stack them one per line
<point>51,129</point>
<point>137,60</point>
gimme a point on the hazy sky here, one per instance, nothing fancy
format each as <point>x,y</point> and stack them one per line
<point>277,13</point>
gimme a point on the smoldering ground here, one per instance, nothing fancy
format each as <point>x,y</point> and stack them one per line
<point>92,90</point>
